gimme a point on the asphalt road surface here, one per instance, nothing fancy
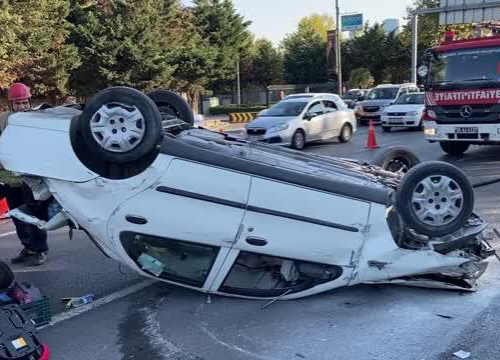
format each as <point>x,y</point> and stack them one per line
<point>135,318</point>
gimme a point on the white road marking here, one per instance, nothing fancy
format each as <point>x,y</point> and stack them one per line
<point>7,234</point>
<point>98,303</point>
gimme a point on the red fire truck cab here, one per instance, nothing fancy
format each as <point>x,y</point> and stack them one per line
<point>462,85</point>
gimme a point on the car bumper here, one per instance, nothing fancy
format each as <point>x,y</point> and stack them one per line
<point>277,138</point>
<point>401,121</point>
<point>482,133</point>
<point>365,117</point>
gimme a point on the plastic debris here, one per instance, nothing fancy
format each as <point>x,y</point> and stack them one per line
<point>462,354</point>
<point>75,302</point>
<point>151,264</point>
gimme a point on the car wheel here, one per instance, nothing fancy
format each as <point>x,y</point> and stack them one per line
<point>172,105</point>
<point>121,125</point>
<point>454,148</point>
<point>396,159</point>
<point>345,133</point>
<point>435,199</point>
<point>298,140</point>
<point>386,128</point>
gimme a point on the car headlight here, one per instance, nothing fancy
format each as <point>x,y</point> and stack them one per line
<point>413,113</point>
<point>430,131</point>
<point>280,127</point>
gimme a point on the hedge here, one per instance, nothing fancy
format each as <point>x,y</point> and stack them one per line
<point>227,109</point>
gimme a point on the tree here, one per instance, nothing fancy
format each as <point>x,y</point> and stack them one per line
<point>319,23</point>
<point>33,46</point>
<point>367,50</point>
<point>120,44</point>
<point>304,57</point>
<point>360,78</point>
<point>265,66</point>
<point>226,32</point>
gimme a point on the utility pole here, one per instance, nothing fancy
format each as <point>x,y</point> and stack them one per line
<point>414,48</point>
<point>339,55</point>
<point>238,81</point>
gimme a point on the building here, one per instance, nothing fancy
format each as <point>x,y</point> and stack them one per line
<point>390,25</point>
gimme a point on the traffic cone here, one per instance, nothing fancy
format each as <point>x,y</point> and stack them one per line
<point>4,208</point>
<point>372,140</point>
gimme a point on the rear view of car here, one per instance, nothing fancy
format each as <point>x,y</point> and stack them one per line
<point>407,111</point>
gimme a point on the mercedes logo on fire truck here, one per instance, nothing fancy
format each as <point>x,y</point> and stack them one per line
<point>466,111</point>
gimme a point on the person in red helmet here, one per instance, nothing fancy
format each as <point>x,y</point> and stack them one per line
<point>17,193</point>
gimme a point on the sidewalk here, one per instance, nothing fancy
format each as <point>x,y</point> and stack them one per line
<point>221,122</point>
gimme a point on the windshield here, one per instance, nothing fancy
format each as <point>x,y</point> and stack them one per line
<point>286,108</point>
<point>465,65</point>
<point>410,99</point>
<point>383,94</point>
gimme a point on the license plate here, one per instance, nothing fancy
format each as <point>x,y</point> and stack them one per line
<point>466,130</point>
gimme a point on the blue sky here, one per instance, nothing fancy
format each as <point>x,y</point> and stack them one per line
<point>275,18</point>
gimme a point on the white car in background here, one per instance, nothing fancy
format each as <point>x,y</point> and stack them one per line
<point>407,111</point>
<point>303,118</point>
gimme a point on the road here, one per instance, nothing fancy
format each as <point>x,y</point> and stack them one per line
<point>158,321</point>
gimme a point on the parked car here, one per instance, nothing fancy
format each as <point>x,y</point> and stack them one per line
<point>298,120</point>
<point>381,97</point>
<point>407,111</point>
<point>353,96</point>
<point>222,215</point>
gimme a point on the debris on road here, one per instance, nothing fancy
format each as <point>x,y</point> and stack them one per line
<point>462,354</point>
<point>75,302</point>
<point>300,355</point>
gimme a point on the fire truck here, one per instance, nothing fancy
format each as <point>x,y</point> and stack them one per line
<point>462,93</point>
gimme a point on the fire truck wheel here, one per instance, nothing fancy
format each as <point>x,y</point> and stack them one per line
<point>454,148</point>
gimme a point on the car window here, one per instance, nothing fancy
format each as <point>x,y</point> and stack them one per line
<point>316,108</point>
<point>330,106</point>
<point>403,91</point>
<point>286,108</point>
<point>383,93</point>
<point>410,99</point>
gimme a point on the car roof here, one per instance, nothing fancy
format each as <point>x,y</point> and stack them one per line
<point>308,95</point>
<point>395,85</point>
<point>313,98</point>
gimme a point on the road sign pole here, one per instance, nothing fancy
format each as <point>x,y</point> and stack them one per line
<point>414,48</point>
<point>339,55</point>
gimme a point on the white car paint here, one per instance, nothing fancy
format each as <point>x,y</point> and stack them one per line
<point>404,114</point>
<point>223,209</point>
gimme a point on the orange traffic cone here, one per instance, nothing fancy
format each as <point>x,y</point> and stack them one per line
<point>372,140</point>
<point>4,208</point>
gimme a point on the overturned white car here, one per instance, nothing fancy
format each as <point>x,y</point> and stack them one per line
<point>225,216</point>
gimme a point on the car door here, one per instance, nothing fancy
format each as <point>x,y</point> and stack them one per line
<point>295,231</point>
<point>333,119</point>
<point>181,230</point>
<point>314,121</point>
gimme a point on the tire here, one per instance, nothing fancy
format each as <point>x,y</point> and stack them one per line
<point>386,128</point>
<point>396,158</point>
<point>171,104</point>
<point>428,211</point>
<point>298,140</point>
<point>121,109</point>
<point>345,133</point>
<point>454,148</point>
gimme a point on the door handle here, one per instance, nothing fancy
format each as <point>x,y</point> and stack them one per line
<point>139,220</point>
<point>256,241</point>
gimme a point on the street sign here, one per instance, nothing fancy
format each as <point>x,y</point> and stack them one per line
<point>352,22</point>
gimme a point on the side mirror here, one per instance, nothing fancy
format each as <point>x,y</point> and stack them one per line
<point>309,116</point>
<point>361,98</point>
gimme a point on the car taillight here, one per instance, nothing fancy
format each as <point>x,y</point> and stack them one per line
<point>429,115</point>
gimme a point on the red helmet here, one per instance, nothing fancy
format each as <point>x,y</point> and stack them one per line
<point>19,91</point>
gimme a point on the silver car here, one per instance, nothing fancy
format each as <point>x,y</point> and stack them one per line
<point>299,120</point>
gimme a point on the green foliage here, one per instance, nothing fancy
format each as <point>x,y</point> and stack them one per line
<point>304,57</point>
<point>319,23</point>
<point>226,33</point>
<point>360,78</point>
<point>264,65</point>
<point>120,44</point>
<point>227,109</point>
<point>33,45</point>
